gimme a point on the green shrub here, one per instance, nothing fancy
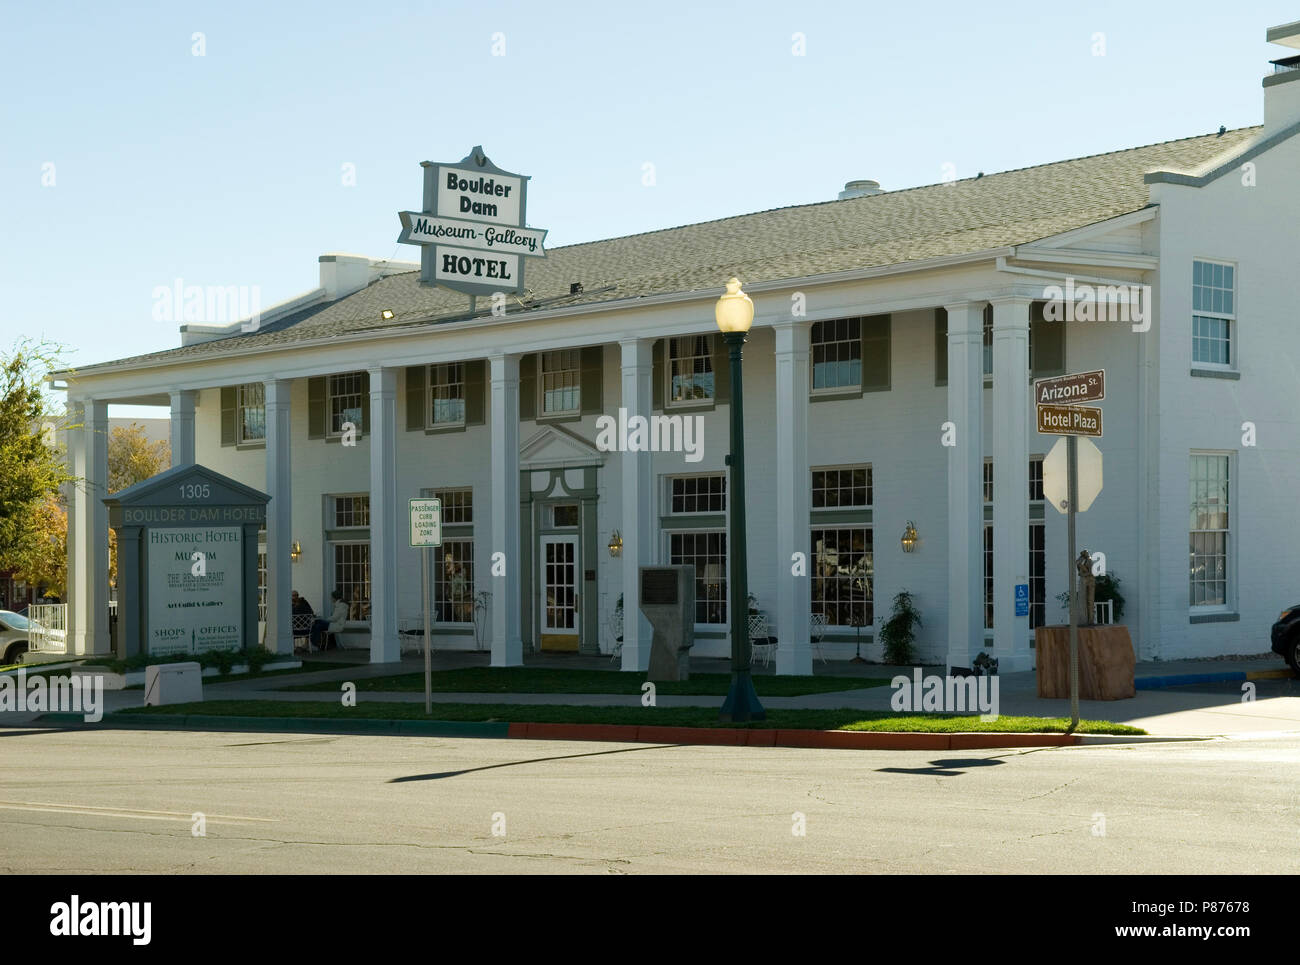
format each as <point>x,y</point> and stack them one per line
<point>222,660</point>
<point>899,631</point>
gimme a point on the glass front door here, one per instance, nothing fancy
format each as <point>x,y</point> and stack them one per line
<point>559,589</point>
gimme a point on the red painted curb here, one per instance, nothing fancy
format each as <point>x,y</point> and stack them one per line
<point>841,739</point>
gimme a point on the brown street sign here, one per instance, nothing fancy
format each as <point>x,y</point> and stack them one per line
<point>1071,389</point>
<point>1069,420</point>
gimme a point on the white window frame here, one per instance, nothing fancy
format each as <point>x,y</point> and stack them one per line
<point>332,564</point>
<point>671,358</point>
<point>573,371</point>
<point>241,403</point>
<point>684,514</point>
<point>845,467</point>
<point>440,568</point>
<point>433,382</point>
<point>1229,318</point>
<point>870,530</point>
<point>1229,604</point>
<point>724,532</point>
<point>812,356</point>
<point>331,395</point>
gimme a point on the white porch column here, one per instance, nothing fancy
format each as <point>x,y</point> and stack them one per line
<point>507,645</point>
<point>1010,450</point>
<point>793,593</point>
<point>385,523</point>
<point>638,501</point>
<point>279,518</point>
<point>965,478</point>
<point>182,426</point>
<point>88,537</point>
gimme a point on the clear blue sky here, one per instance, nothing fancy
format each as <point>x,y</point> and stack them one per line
<point>226,169</point>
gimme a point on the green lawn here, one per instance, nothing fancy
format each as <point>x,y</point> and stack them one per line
<point>527,680</point>
<point>843,719</point>
<point>308,666</point>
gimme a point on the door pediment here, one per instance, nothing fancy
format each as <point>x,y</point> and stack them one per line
<point>555,447</point>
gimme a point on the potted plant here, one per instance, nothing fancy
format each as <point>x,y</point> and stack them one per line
<point>899,631</point>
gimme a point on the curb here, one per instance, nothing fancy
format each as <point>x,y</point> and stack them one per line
<point>621,733</point>
<point>1223,676</point>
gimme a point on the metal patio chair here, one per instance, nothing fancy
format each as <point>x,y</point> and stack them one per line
<point>817,633</point>
<point>761,643</point>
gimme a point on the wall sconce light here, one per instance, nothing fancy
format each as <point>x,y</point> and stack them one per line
<point>909,537</point>
<point>295,551</point>
<point>615,544</point>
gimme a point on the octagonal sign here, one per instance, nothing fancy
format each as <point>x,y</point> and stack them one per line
<point>1056,483</point>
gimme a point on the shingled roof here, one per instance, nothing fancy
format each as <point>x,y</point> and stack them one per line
<point>894,228</point>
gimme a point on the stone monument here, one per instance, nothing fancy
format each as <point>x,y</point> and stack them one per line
<point>668,602</point>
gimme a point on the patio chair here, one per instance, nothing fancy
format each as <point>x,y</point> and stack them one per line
<point>616,633</point>
<point>761,643</point>
<point>410,634</point>
<point>817,633</point>
<point>301,623</point>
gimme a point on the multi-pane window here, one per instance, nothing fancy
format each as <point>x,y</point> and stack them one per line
<point>447,394</point>
<point>351,512</point>
<point>345,393</point>
<point>836,354</point>
<point>1209,530</point>
<point>843,575</point>
<point>352,577</point>
<point>453,585</point>
<point>988,576</point>
<point>707,552</point>
<point>1036,479</point>
<point>562,381</point>
<point>840,488</point>
<point>988,480</point>
<point>457,505</point>
<point>698,494</point>
<point>1213,312</point>
<point>1037,575</point>
<point>252,412</point>
<point>690,369</point>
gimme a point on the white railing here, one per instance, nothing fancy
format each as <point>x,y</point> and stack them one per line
<point>49,628</point>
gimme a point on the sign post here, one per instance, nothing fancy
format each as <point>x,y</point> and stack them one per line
<point>426,531</point>
<point>1059,412</point>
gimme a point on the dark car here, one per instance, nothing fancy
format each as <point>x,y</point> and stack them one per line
<point>1286,636</point>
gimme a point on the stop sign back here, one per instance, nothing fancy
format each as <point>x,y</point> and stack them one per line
<point>1056,480</point>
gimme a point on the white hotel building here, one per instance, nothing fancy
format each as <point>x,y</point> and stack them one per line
<point>879,318</point>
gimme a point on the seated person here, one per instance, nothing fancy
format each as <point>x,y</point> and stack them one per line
<point>300,604</point>
<point>338,616</point>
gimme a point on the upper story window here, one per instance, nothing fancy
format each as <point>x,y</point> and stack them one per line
<point>836,348</point>
<point>841,488</point>
<point>1036,480</point>
<point>447,394</point>
<point>252,413</point>
<point>697,494</point>
<point>344,402</point>
<point>690,370</point>
<point>1214,312</point>
<point>457,505</point>
<point>561,382</point>
<point>988,480</point>
<point>351,512</point>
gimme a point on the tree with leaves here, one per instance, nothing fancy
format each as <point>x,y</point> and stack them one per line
<point>132,458</point>
<point>32,468</point>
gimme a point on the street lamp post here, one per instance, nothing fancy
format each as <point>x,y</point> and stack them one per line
<point>735,313</point>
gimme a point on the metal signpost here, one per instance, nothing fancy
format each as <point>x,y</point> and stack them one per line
<point>426,531</point>
<point>1059,413</point>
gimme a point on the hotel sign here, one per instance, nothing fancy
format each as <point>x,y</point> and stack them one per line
<point>471,228</point>
<point>1069,420</point>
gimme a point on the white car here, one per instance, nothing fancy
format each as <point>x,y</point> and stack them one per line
<point>14,628</point>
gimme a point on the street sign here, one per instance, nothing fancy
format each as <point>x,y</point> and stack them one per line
<point>1069,420</point>
<point>426,522</point>
<point>1071,389</point>
<point>1055,475</point>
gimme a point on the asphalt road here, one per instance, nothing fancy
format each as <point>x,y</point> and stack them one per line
<point>122,801</point>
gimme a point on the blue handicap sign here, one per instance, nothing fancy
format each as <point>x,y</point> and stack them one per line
<point>1022,599</point>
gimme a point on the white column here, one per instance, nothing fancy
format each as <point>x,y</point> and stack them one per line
<point>88,542</point>
<point>507,646</point>
<point>1010,449</point>
<point>638,502</point>
<point>965,478</point>
<point>793,482</point>
<point>385,524</point>
<point>182,426</point>
<point>279,518</point>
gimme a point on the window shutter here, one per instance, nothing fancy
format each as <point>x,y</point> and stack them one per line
<point>229,415</point>
<point>657,377</point>
<point>941,346</point>
<point>875,352</point>
<point>528,387</point>
<point>1046,344</point>
<point>721,370</point>
<point>364,429</point>
<point>416,397</point>
<point>316,408</point>
<point>592,376</point>
<point>475,392</point>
